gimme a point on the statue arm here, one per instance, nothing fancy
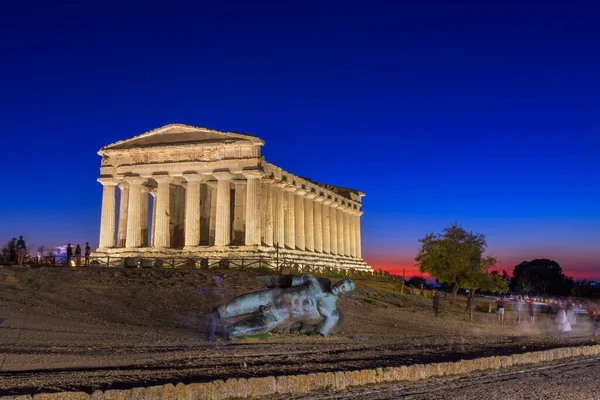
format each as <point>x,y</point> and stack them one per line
<point>328,323</point>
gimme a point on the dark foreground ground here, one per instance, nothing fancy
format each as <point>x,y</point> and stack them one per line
<point>94,328</point>
<point>573,380</point>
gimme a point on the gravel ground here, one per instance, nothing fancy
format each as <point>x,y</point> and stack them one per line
<point>574,380</point>
<point>95,328</point>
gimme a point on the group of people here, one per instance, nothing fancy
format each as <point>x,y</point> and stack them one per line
<point>88,251</point>
<point>17,250</point>
<point>521,305</point>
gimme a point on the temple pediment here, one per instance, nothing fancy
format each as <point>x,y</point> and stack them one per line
<point>181,134</point>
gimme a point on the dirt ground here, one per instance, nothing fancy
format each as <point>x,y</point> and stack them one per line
<point>99,328</point>
<point>570,380</point>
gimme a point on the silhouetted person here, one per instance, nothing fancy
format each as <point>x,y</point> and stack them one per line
<point>436,303</point>
<point>531,311</point>
<point>562,322</point>
<point>78,255</point>
<point>518,308</point>
<point>69,255</point>
<point>500,310</point>
<point>88,251</point>
<point>21,250</point>
<point>12,250</point>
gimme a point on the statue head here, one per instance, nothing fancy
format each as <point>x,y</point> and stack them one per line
<point>343,287</point>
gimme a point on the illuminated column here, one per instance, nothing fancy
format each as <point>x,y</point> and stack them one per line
<point>162,205</point>
<point>358,236</point>
<point>290,216</point>
<point>267,213</point>
<point>124,188</point>
<point>333,227</point>
<point>223,217</point>
<point>134,213</point>
<point>152,234</point>
<point>309,221</point>
<point>253,233</point>
<point>352,227</point>
<point>341,250</point>
<point>326,214</point>
<point>144,215</point>
<point>318,223</point>
<point>212,225</point>
<point>299,212</point>
<point>279,214</point>
<point>107,218</point>
<point>347,242</point>
<point>192,209</point>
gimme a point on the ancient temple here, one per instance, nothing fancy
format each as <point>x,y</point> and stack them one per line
<point>187,191</point>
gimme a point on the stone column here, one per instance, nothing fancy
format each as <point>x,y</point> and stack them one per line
<point>134,213</point>
<point>309,221</point>
<point>212,228</point>
<point>107,218</point>
<point>326,222</point>
<point>341,250</point>
<point>192,210</point>
<point>144,215</point>
<point>347,241</point>
<point>253,233</point>
<point>333,224</point>
<point>299,212</point>
<point>358,236</point>
<point>318,223</point>
<point>352,225</point>
<point>279,214</point>
<point>223,215</point>
<point>122,233</point>
<point>267,213</point>
<point>290,217</point>
<point>152,234</point>
<point>162,206</point>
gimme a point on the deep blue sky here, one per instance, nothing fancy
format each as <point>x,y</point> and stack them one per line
<point>482,112</point>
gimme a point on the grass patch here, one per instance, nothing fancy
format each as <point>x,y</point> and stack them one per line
<point>259,336</point>
<point>327,388</point>
<point>370,301</point>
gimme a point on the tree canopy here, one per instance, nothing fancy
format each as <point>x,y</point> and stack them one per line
<point>455,257</point>
<point>540,277</point>
<point>416,281</point>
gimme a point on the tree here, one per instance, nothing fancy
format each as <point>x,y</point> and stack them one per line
<point>448,256</point>
<point>540,277</point>
<point>477,277</point>
<point>416,281</point>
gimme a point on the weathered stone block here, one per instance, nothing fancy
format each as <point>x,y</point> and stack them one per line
<point>315,382</point>
<point>156,392</point>
<point>237,388</point>
<point>262,386</point>
<point>386,374</point>
<point>196,391</point>
<point>119,395</point>
<point>139,394</point>
<point>340,380</point>
<point>400,373</point>
<point>352,378</point>
<point>20,397</point>
<point>368,376</point>
<point>97,395</point>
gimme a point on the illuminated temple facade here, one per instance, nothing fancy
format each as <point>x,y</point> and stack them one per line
<point>186,191</point>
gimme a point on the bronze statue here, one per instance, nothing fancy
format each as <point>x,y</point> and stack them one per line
<point>302,303</point>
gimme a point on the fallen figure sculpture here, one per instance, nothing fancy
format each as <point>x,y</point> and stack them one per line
<point>293,303</point>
